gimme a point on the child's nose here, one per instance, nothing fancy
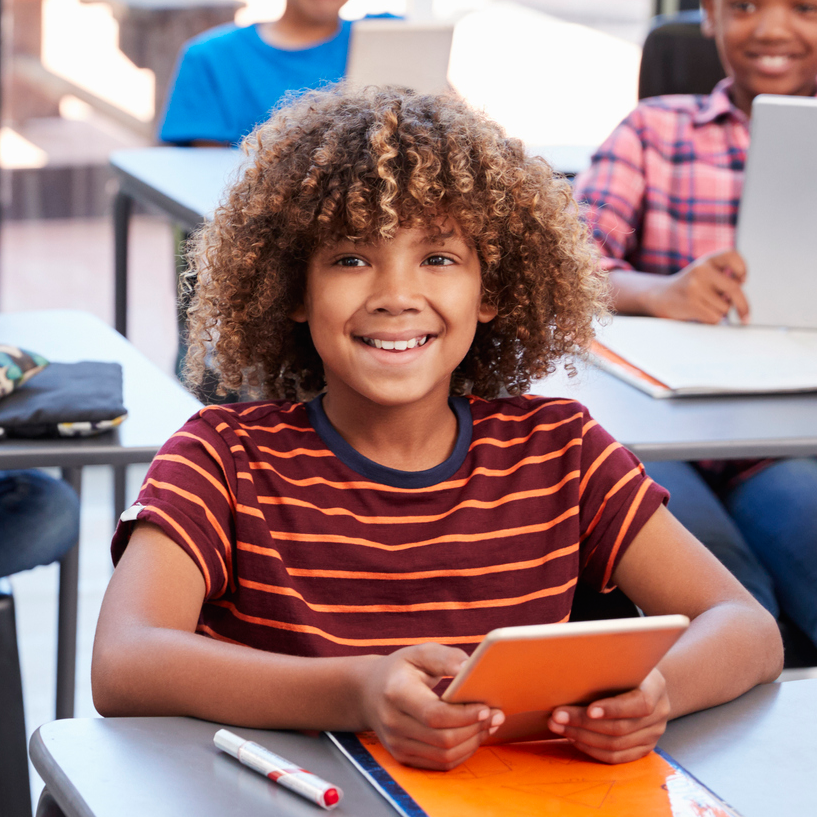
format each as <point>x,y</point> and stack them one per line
<point>773,22</point>
<point>396,289</point>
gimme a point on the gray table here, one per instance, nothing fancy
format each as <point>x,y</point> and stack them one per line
<point>157,405</point>
<point>692,428</point>
<point>758,753</point>
<point>185,184</point>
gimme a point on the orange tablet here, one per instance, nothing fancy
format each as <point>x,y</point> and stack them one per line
<point>527,671</point>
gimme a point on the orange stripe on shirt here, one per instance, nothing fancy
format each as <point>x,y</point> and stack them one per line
<point>419,607</point>
<point>611,493</point>
<point>519,496</point>
<point>222,489</point>
<point>625,526</point>
<point>481,471</point>
<point>433,574</point>
<point>518,418</point>
<point>322,538</point>
<point>542,427</point>
<point>595,465</point>
<point>349,642</point>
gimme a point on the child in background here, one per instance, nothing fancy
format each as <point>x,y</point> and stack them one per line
<point>663,194</point>
<point>228,79</point>
<point>324,557</point>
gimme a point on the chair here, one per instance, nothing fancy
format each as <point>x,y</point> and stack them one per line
<point>588,605</point>
<point>15,790</point>
<point>677,58</point>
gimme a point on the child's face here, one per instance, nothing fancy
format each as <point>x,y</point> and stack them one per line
<point>392,320</point>
<point>767,46</point>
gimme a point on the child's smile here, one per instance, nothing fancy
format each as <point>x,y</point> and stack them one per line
<point>392,320</point>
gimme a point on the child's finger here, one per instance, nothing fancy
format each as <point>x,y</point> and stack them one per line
<point>616,753</point>
<point>436,660</point>
<point>731,262</point>
<point>418,752</point>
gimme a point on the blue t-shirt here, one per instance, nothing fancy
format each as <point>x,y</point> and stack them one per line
<point>228,79</point>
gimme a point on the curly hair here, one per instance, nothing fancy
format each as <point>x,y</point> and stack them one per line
<point>359,163</point>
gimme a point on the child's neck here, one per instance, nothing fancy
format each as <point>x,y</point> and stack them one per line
<point>407,438</point>
<point>289,32</point>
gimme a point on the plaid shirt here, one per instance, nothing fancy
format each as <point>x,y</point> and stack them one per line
<point>664,189</point>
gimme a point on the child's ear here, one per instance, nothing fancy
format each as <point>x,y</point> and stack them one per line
<point>707,26</point>
<point>299,314</point>
<point>487,312</point>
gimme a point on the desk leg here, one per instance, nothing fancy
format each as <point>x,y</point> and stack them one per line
<point>67,620</point>
<point>120,479</point>
<point>122,209</point>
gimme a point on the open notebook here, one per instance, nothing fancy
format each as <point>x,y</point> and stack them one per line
<point>667,358</point>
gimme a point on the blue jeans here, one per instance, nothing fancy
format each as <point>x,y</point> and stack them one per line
<point>39,520</point>
<point>764,531</point>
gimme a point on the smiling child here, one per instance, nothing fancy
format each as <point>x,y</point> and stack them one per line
<point>323,557</point>
<point>663,194</point>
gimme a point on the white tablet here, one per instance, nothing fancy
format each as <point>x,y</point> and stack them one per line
<point>527,671</point>
<point>414,54</point>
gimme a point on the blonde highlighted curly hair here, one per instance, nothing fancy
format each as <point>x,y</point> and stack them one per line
<point>359,164</point>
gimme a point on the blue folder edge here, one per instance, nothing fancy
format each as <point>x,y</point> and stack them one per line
<point>394,793</point>
<point>405,805</point>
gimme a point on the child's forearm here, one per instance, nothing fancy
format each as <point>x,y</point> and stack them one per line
<point>156,671</point>
<point>726,651</point>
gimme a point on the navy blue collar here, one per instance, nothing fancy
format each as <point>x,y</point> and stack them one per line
<point>391,476</point>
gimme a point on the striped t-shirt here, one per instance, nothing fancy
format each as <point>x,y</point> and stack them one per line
<point>308,548</point>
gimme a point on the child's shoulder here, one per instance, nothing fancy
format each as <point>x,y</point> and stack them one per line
<point>225,36</point>
<point>668,110</point>
<point>247,420</point>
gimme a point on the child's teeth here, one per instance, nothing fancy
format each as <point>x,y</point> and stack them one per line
<point>396,345</point>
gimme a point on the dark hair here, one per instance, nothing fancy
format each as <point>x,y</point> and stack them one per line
<point>360,163</point>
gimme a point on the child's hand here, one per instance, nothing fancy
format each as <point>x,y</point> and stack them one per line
<point>412,722</point>
<point>703,291</point>
<point>619,729</point>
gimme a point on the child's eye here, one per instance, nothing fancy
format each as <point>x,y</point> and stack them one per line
<point>438,261</point>
<point>745,7</point>
<point>350,261</point>
<point>807,8</point>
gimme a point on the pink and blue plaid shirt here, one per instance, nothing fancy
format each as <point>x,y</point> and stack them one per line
<point>664,189</point>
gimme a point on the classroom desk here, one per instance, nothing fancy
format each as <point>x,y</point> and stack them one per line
<point>758,753</point>
<point>187,184</point>
<point>692,428</point>
<point>157,405</point>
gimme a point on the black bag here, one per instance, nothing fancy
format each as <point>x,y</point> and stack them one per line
<point>65,400</point>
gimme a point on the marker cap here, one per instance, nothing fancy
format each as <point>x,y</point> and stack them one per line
<point>228,742</point>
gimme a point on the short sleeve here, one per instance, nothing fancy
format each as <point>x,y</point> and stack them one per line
<point>189,492</point>
<point>195,108</point>
<point>613,188</point>
<point>617,498</point>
